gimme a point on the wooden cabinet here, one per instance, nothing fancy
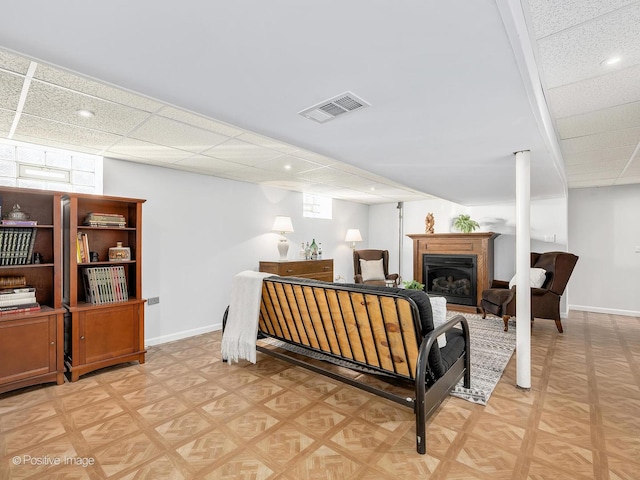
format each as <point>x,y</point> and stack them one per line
<point>101,335</point>
<point>31,343</point>
<point>316,269</point>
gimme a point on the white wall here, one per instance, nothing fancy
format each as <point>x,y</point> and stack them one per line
<point>604,231</point>
<point>548,219</point>
<point>199,231</point>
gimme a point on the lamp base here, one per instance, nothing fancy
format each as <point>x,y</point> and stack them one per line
<point>283,248</point>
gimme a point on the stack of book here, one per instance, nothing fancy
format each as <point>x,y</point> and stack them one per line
<point>105,285</point>
<point>82,248</point>
<point>94,219</point>
<point>16,245</point>
<point>18,300</point>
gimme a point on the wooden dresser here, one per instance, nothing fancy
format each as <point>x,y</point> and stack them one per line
<point>316,269</point>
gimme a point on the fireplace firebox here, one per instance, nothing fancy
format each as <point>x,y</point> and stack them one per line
<point>451,276</point>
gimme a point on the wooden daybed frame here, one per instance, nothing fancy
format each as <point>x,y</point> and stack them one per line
<point>385,331</point>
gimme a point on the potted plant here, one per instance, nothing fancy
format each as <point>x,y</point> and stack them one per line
<point>413,285</point>
<point>465,224</point>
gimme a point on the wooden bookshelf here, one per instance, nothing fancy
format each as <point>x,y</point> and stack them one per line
<point>101,335</point>
<point>31,343</point>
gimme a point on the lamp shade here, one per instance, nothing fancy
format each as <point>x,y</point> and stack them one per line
<point>282,224</point>
<point>353,235</point>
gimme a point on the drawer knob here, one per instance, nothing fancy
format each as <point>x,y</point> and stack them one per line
<point>82,337</point>
<point>289,271</point>
<point>52,343</point>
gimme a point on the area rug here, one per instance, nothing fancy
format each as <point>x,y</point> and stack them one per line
<point>491,350</point>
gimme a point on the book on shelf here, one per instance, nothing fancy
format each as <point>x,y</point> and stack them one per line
<point>16,245</point>
<point>95,219</point>
<point>9,300</point>
<point>20,223</point>
<point>82,247</point>
<point>22,308</point>
<point>13,281</point>
<point>105,284</point>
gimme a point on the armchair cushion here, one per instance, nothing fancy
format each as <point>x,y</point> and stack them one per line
<point>537,276</point>
<point>371,270</point>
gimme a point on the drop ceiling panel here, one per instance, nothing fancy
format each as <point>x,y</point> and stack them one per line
<point>628,180</point>
<point>209,165</point>
<point>253,175</point>
<point>607,169</point>
<point>6,119</point>
<point>577,53</point>
<point>267,142</point>
<point>241,152</point>
<point>597,93</point>
<point>10,88</point>
<point>315,157</point>
<point>140,149</point>
<point>595,182</point>
<point>288,165</point>
<point>600,156</point>
<point>62,133</point>
<point>71,81</point>
<point>601,141</point>
<point>164,131</point>
<point>59,104</point>
<point>199,121</point>
<point>14,63</point>
<point>614,118</point>
<point>321,175</point>
<point>38,140</point>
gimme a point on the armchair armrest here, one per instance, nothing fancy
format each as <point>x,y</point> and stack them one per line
<point>357,278</point>
<point>499,284</point>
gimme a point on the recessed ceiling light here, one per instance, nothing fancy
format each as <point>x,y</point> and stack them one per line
<point>85,113</point>
<point>611,60</point>
<point>287,167</point>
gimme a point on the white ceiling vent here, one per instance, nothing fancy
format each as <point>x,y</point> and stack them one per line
<point>329,109</point>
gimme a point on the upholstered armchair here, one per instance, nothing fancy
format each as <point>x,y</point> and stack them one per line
<point>553,269</point>
<point>371,267</point>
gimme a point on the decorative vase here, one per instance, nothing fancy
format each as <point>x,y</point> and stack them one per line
<point>119,253</point>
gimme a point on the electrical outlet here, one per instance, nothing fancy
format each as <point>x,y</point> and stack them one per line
<point>153,300</point>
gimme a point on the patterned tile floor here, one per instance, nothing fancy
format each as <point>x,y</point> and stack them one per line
<point>185,414</point>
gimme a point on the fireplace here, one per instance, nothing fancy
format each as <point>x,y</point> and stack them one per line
<point>452,276</point>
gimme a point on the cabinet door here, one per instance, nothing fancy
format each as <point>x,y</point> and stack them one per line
<point>27,348</point>
<point>108,333</point>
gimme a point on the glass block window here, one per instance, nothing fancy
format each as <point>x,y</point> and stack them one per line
<point>34,166</point>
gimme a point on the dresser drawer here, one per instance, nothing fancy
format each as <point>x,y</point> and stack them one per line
<point>316,269</point>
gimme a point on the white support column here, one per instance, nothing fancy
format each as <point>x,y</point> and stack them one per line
<point>523,264</point>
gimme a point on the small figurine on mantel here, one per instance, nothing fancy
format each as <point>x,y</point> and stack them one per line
<point>429,222</point>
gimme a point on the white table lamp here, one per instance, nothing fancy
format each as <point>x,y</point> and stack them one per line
<point>283,225</point>
<point>353,236</point>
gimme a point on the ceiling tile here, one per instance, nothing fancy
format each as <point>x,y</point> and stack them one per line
<point>601,141</point>
<point>140,149</point>
<point>288,164</point>
<point>619,154</point>
<point>614,118</point>
<point>321,175</point>
<point>10,89</point>
<point>14,63</point>
<point>253,175</point>
<point>199,121</point>
<point>577,53</point>
<point>54,103</point>
<point>551,16</point>
<point>56,144</point>
<point>581,177</point>
<point>594,182</point>
<point>164,131</point>
<point>6,120</point>
<point>209,165</point>
<point>75,82</point>
<point>267,143</point>
<point>71,136</point>
<point>596,93</point>
<point>606,170</point>
<point>241,152</point>
<point>315,157</point>
<point>626,180</point>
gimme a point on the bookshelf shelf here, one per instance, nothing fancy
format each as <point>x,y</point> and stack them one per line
<point>31,343</point>
<point>99,335</point>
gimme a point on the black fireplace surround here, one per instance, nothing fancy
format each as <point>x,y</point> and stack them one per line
<point>451,276</point>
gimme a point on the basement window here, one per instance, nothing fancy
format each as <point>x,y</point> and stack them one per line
<point>315,206</point>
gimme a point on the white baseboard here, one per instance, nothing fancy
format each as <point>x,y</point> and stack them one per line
<point>610,311</point>
<point>183,334</point>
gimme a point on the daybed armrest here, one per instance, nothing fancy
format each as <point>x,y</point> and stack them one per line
<point>431,337</point>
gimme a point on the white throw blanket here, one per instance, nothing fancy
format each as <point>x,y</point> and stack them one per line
<point>241,330</point>
<point>439,309</point>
